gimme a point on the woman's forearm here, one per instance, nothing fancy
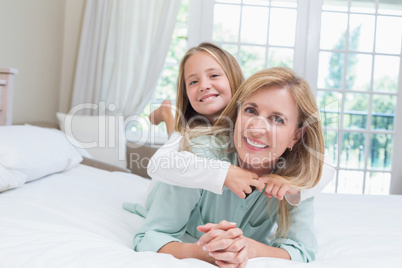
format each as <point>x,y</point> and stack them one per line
<point>186,250</point>
<point>257,249</point>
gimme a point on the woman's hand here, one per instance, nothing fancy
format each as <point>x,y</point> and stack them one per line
<point>241,181</point>
<point>225,243</point>
<point>277,186</point>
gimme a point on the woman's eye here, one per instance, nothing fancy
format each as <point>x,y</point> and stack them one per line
<point>278,120</point>
<point>250,110</point>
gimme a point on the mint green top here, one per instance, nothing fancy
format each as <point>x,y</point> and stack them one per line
<point>173,210</point>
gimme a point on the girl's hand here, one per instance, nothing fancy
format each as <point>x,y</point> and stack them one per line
<point>225,243</point>
<point>277,186</point>
<point>241,181</point>
<point>162,114</point>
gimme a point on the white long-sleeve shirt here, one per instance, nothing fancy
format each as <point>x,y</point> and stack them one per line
<point>182,168</point>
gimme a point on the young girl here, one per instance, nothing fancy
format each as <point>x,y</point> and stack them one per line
<point>208,77</point>
<point>271,126</point>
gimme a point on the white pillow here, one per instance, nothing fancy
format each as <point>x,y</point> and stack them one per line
<point>103,137</point>
<point>10,179</point>
<point>35,151</point>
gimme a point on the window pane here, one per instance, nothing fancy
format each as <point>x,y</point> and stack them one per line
<point>178,46</point>
<point>377,183</point>
<point>256,2</point>
<point>252,59</point>
<point>352,155</point>
<point>331,187</point>
<point>361,33</point>
<point>284,3</point>
<point>387,40</point>
<point>331,145</point>
<point>280,57</point>
<point>333,34</point>
<point>282,28</point>
<point>335,5</point>
<point>329,103</point>
<point>254,25</point>
<point>350,182</point>
<point>383,112</point>
<point>385,7</point>
<point>226,23</point>
<point>358,73</point>
<point>330,70</point>
<point>232,49</point>
<point>182,14</point>
<point>229,1</point>
<point>386,74</point>
<point>366,6</point>
<point>166,88</point>
<point>380,151</point>
<point>355,111</point>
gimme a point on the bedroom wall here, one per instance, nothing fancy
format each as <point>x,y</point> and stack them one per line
<point>74,12</point>
<point>32,40</point>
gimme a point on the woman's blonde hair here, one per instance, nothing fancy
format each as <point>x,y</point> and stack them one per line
<point>303,164</point>
<point>184,110</point>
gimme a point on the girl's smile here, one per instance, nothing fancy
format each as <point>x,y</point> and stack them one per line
<point>208,97</point>
<point>207,85</point>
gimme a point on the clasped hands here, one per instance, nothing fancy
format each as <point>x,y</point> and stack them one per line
<point>225,243</point>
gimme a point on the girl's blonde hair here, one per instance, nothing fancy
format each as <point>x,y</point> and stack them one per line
<point>303,164</point>
<point>184,110</point>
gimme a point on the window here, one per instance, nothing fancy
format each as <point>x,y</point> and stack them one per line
<point>258,33</point>
<point>357,91</point>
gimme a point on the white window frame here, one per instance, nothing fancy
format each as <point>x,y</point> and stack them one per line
<point>311,75</point>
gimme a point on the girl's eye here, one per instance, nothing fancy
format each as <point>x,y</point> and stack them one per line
<point>192,83</point>
<point>250,110</point>
<point>214,75</point>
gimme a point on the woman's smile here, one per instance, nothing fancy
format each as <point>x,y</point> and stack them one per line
<point>254,144</point>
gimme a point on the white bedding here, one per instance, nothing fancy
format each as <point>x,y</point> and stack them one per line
<point>75,219</point>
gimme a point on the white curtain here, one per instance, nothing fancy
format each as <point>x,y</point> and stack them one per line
<point>123,47</point>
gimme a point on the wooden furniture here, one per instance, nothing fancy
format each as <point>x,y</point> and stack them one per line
<point>6,94</point>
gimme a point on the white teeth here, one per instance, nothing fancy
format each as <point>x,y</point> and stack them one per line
<point>210,97</point>
<point>255,144</point>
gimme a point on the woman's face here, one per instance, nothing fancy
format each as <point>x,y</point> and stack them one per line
<point>266,126</point>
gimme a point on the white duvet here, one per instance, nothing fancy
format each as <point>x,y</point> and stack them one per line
<point>75,219</point>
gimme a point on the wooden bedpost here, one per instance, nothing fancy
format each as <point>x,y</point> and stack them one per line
<point>6,94</point>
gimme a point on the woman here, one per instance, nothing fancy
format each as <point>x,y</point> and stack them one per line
<point>276,130</point>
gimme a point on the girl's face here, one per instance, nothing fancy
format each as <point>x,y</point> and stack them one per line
<point>265,127</point>
<point>207,85</point>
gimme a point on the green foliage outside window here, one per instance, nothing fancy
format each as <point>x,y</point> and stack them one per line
<point>356,112</point>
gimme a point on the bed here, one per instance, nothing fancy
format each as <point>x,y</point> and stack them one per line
<point>73,217</point>
<point>59,210</point>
